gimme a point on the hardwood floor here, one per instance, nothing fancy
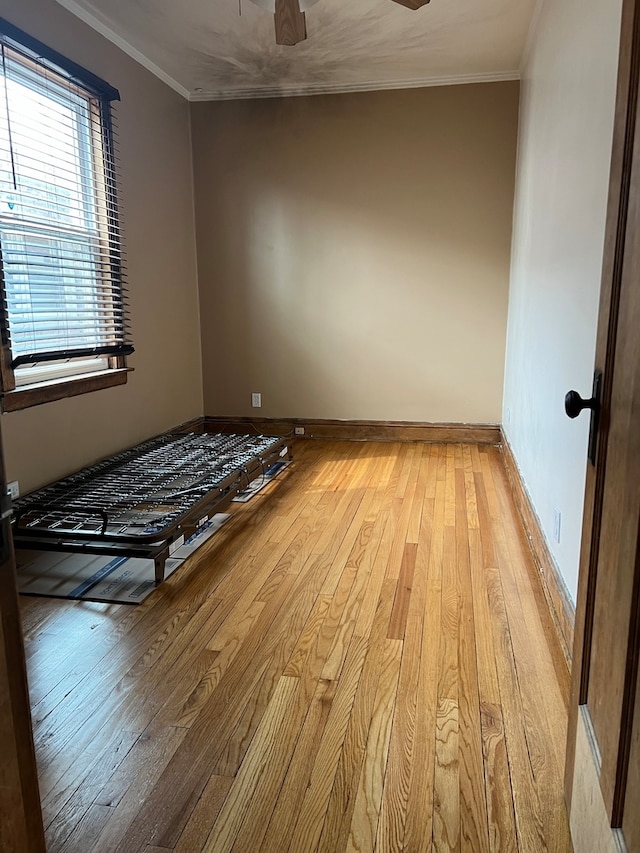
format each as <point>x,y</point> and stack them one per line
<point>361,660</point>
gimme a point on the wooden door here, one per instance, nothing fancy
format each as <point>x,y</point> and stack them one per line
<point>20,816</point>
<point>602,783</point>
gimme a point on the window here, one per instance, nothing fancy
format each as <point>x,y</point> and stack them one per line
<point>63,311</point>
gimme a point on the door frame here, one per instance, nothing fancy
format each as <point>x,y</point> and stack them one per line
<point>19,792</point>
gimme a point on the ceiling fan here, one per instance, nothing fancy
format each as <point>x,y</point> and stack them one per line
<point>290,17</point>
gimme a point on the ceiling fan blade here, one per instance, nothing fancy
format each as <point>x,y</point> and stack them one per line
<point>291,24</point>
<point>412,4</point>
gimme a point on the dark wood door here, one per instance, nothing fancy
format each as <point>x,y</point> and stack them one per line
<point>20,816</point>
<point>603,759</point>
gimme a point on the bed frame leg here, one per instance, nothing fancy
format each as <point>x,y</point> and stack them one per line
<point>159,568</point>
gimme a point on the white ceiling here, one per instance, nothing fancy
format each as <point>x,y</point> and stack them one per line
<point>206,50</point>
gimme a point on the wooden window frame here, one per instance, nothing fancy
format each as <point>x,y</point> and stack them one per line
<point>100,96</point>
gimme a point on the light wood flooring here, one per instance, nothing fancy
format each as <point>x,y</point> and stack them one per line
<point>361,660</point>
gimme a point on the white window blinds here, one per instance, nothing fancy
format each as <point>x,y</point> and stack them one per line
<point>63,294</point>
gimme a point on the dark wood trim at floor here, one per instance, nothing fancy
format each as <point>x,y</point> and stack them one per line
<point>560,604</point>
<point>355,430</point>
<point>194,425</point>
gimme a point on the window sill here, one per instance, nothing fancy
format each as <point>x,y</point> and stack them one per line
<point>60,389</point>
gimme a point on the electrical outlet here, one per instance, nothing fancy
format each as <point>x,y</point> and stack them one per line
<point>256,400</point>
<point>298,430</point>
<point>13,490</point>
<point>507,416</point>
<point>557,522</point>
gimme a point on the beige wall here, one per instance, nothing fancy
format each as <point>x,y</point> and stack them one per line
<point>354,252</point>
<point>166,387</point>
<point>566,128</point>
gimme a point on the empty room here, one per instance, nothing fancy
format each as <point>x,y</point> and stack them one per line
<point>320,392</point>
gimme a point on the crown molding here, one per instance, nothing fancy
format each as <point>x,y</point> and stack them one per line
<point>124,45</point>
<point>337,88</point>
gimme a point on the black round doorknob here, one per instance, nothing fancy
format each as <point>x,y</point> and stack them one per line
<point>574,404</point>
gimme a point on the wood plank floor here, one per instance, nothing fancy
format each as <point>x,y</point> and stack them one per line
<point>361,660</point>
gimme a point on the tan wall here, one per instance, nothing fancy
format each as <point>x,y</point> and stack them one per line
<point>166,387</point>
<point>354,252</point>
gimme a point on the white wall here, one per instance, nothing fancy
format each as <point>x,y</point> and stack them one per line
<point>566,124</point>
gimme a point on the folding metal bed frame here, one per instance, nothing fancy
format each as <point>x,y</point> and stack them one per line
<point>145,501</point>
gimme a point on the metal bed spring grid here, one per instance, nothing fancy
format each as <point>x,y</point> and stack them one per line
<point>144,501</point>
